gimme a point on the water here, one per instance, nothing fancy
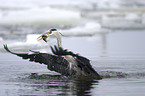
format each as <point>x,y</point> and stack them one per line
<point>120,65</point>
<point>110,33</point>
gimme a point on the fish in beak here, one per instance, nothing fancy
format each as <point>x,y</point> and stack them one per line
<point>44,36</point>
<point>47,34</point>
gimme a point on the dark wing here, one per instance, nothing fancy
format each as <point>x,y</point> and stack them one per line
<point>53,62</point>
<point>87,68</point>
<point>82,62</point>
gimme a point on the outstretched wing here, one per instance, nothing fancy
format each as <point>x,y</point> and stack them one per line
<point>82,62</point>
<point>53,62</point>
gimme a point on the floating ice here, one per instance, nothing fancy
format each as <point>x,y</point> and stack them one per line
<point>32,38</point>
<point>108,3</point>
<point>92,25</point>
<point>1,39</point>
<point>131,16</point>
<point>127,21</point>
<point>88,29</point>
<point>44,15</point>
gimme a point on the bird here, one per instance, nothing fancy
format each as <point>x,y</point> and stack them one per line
<point>60,60</point>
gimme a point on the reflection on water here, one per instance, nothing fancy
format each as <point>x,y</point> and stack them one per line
<point>36,84</point>
<point>46,84</point>
<point>17,78</point>
<point>124,44</point>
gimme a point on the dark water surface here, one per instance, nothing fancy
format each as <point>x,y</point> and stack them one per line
<point>118,57</point>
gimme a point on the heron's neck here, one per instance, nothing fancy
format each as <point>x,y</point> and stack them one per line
<point>58,36</point>
<point>59,43</point>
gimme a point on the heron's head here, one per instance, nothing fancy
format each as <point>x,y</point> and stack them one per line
<point>47,34</point>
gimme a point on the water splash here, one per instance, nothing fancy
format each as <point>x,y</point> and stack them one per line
<point>114,74</point>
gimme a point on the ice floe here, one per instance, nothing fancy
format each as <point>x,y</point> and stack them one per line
<point>44,15</point>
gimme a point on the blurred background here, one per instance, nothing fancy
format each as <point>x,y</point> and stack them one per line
<point>112,26</point>
<point>21,22</point>
<point>106,28</point>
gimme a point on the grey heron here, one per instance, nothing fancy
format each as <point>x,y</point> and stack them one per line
<point>61,60</point>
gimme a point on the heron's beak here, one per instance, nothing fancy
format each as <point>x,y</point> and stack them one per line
<point>43,36</point>
<point>39,38</point>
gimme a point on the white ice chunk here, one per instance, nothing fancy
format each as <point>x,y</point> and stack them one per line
<point>32,38</point>
<point>44,15</point>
